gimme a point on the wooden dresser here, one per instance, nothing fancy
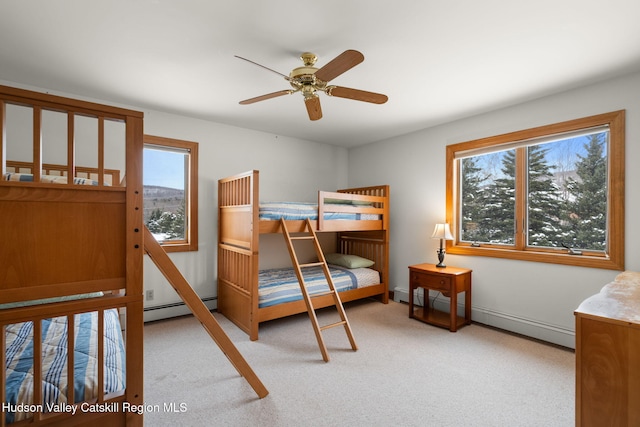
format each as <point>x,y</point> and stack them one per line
<point>608,355</point>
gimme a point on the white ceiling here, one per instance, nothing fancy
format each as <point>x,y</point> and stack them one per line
<point>437,60</point>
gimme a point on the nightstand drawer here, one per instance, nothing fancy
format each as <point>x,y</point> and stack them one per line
<point>432,282</point>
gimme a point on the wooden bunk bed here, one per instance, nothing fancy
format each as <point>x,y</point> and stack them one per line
<point>362,230</point>
<point>71,270</point>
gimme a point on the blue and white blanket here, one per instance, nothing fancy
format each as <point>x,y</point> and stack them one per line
<point>279,285</point>
<point>19,361</point>
<point>302,211</point>
<point>49,179</point>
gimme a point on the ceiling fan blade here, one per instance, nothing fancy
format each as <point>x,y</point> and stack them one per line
<point>358,95</point>
<point>265,97</point>
<point>341,63</point>
<point>313,107</point>
<point>262,66</point>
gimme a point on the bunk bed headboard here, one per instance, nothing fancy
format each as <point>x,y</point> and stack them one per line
<point>62,238</point>
<point>373,244</point>
<point>67,235</point>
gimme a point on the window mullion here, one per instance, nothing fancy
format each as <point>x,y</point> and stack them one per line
<point>521,189</point>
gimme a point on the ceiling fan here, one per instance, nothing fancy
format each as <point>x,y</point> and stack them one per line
<point>310,80</point>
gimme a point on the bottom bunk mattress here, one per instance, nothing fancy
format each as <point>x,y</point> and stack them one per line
<point>19,363</point>
<point>280,285</point>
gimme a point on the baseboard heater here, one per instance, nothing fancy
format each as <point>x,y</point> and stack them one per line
<point>166,311</point>
<point>509,322</point>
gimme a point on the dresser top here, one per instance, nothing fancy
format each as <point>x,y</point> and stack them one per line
<point>618,300</point>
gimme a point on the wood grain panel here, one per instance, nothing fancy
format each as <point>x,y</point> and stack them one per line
<point>236,227</point>
<point>54,241</point>
<point>608,355</point>
<point>604,373</point>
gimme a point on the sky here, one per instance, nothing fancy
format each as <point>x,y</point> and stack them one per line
<point>563,154</point>
<point>163,168</point>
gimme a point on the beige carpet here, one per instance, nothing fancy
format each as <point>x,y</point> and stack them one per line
<point>405,373</point>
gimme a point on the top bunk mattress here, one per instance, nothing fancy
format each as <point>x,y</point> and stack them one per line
<point>49,179</point>
<point>274,211</point>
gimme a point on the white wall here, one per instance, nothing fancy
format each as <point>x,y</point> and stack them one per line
<point>533,298</point>
<point>290,169</point>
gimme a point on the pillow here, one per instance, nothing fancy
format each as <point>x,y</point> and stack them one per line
<point>348,261</point>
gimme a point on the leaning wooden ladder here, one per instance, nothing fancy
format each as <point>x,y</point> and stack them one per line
<point>310,234</point>
<point>201,312</point>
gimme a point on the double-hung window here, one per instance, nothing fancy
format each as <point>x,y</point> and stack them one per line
<point>171,192</point>
<point>549,194</point>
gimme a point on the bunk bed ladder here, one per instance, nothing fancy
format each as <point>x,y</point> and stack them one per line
<point>200,311</point>
<point>310,234</point>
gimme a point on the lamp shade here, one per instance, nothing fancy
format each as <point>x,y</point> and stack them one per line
<point>442,231</point>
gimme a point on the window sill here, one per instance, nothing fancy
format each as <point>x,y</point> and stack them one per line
<point>603,262</point>
<point>179,247</point>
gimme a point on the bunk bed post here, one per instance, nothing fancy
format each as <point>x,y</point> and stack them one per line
<point>385,248</point>
<point>134,268</point>
<point>255,251</point>
<point>3,139</point>
<point>3,368</point>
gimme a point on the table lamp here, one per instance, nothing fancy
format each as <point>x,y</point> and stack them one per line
<point>443,233</point>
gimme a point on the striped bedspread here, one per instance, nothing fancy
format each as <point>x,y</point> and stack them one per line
<point>279,285</point>
<point>19,361</point>
<point>301,211</point>
<point>50,179</point>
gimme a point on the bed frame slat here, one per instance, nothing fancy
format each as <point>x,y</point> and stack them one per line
<point>37,144</point>
<point>101,150</point>
<point>37,365</point>
<point>71,339</point>
<point>101,355</point>
<point>71,149</point>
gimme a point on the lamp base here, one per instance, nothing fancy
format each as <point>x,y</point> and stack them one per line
<point>440,263</point>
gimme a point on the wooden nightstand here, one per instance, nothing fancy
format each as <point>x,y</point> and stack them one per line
<point>448,280</point>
